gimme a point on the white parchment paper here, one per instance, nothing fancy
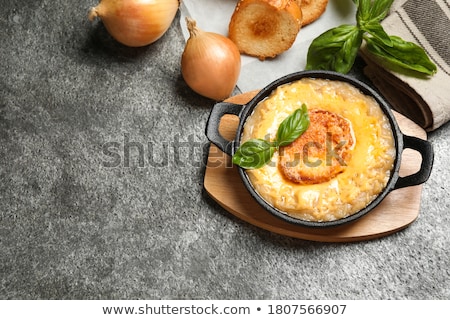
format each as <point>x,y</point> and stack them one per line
<point>215,15</point>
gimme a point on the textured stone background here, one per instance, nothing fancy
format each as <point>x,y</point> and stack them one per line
<point>79,222</point>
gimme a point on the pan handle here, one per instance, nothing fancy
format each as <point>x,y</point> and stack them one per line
<point>212,127</point>
<point>426,151</point>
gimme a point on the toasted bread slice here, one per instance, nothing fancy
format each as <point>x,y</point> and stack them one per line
<point>321,152</point>
<point>312,10</point>
<point>265,28</point>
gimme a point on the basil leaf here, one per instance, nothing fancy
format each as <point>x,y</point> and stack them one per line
<point>375,29</point>
<point>363,11</point>
<point>335,49</point>
<point>253,154</point>
<point>380,9</point>
<point>403,54</point>
<point>293,126</point>
<point>369,16</point>
<point>372,10</point>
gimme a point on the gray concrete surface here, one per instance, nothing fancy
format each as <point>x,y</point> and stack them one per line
<point>82,217</point>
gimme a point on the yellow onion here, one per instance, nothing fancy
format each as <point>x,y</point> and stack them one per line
<point>136,23</point>
<point>211,63</point>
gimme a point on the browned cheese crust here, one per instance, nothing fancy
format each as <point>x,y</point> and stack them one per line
<point>321,152</point>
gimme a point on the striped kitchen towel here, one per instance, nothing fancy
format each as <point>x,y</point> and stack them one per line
<point>425,100</point>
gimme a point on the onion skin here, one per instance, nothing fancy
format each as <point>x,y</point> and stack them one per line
<point>136,23</point>
<point>210,64</point>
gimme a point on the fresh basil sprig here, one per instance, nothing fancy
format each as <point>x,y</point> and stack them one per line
<point>337,48</point>
<point>255,153</point>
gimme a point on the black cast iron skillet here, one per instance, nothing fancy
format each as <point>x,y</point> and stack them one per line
<point>401,142</point>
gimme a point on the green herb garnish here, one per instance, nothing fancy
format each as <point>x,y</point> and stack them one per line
<point>255,153</point>
<point>337,48</point>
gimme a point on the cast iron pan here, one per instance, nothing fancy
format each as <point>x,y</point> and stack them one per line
<point>401,142</point>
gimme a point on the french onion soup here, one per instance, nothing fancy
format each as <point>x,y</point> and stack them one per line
<point>338,165</point>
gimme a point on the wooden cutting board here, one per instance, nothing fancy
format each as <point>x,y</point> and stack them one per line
<point>397,211</point>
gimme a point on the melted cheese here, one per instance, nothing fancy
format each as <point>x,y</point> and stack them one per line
<point>366,174</point>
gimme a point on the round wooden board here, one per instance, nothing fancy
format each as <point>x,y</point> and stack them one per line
<point>397,211</point>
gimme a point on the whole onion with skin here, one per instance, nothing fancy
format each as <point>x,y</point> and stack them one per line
<point>136,23</point>
<point>211,63</point>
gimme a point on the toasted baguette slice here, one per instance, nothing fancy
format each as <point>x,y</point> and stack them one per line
<point>307,159</point>
<point>311,10</point>
<point>265,28</point>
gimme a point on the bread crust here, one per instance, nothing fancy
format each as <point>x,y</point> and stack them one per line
<point>321,152</point>
<point>265,28</point>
